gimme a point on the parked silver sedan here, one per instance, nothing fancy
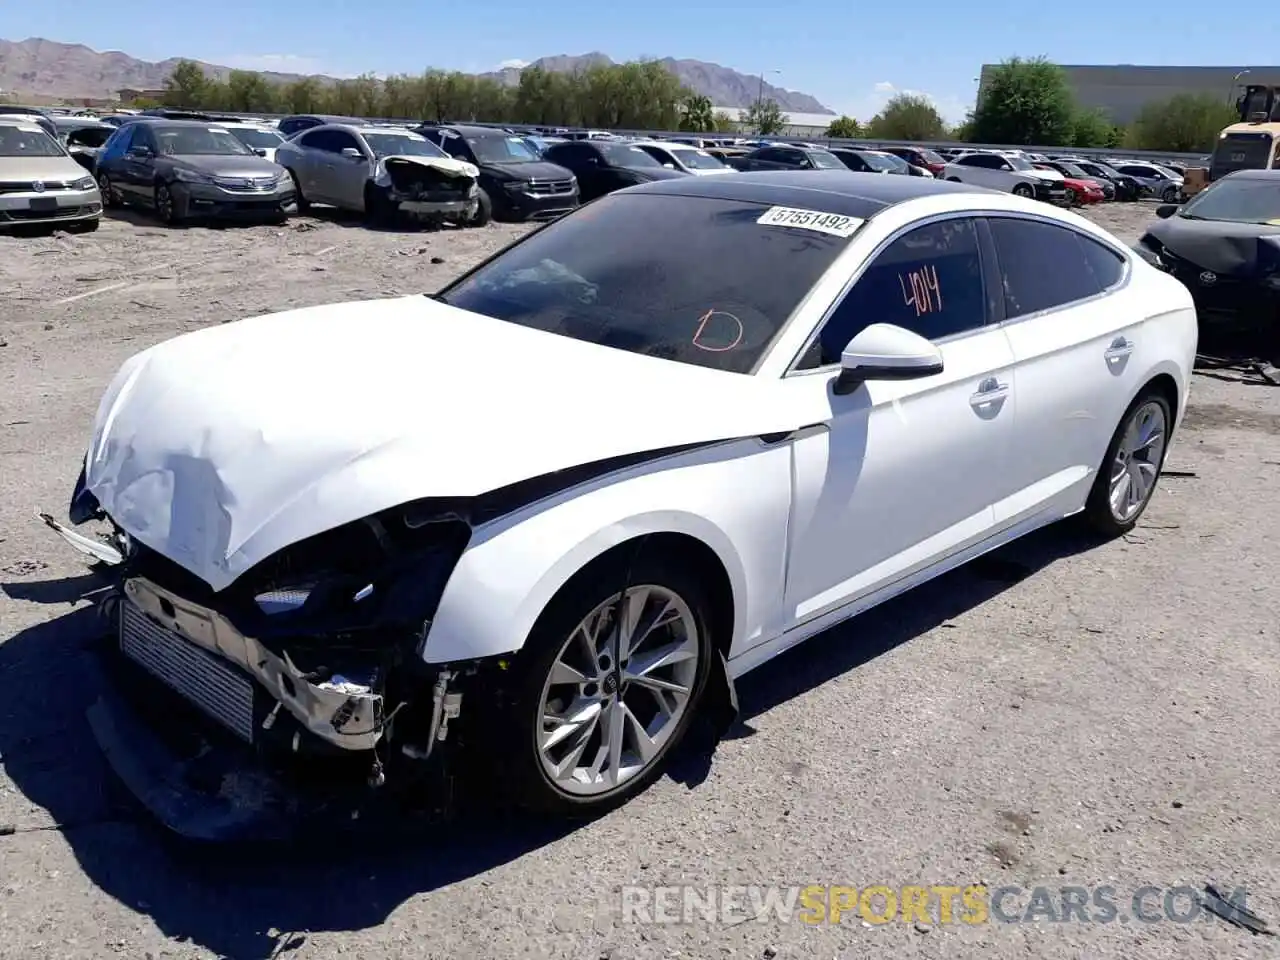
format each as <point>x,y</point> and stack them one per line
<point>40,183</point>
<point>381,171</point>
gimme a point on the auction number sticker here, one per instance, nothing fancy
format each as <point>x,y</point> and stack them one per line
<point>829,223</point>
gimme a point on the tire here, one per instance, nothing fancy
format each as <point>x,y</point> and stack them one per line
<point>378,210</point>
<point>484,211</point>
<point>1023,190</point>
<point>110,199</point>
<point>301,203</point>
<point>1170,195</point>
<point>165,205</point>
<point>1148,419</point>
<point>1072,198</point>
<point>519,738</point>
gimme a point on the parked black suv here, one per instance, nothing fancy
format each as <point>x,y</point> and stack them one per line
<point>515,182</point>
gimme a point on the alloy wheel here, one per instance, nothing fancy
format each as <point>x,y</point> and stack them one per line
<point>618,690</point>
<point>1138,458</point>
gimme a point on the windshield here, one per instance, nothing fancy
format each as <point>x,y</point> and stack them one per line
<point>399,145</point>
<point>503,150</point>
<point>622,155</point>
<point>931,156</point>
<point>1020,163</point>
<point>27,140</point>
<point>199,141</point>
<point>879,162</point>
<point>688,279</point>
<point>1104,169</point>
<point>1241,151</point>
<point>1236,201</point>
<point>895,162</point>
<point>698,160</point>
<point>262,139</point>
<point>825,161</point>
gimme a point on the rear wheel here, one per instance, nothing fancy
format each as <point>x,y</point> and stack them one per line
<point>300,202</point>
<point>609,683</point>
<point>1127,478</point>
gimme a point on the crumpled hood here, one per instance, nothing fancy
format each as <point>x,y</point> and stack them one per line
<point>222,446</point>
<point>449,165</point>
<point>1227,249</point>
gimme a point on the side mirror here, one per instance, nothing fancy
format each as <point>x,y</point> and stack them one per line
<point>1166,210</point>
<point>260,151</point>
<point>140,153</point>
<point>883,351</point>
<point>351,153</point>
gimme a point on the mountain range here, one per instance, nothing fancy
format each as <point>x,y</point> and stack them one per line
<point>47,68</point>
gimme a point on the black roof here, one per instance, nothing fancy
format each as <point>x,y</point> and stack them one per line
<point>841,192</point>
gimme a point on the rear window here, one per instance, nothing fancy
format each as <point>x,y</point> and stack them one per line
<point>688,279</point>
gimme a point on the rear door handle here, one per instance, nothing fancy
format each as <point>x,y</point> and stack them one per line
<point>989,391</point>
<point>1119,349</point>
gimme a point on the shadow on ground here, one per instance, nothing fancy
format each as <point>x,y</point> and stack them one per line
<point>254,904</point>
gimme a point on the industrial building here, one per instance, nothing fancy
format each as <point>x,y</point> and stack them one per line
<point>1122,90</point>
<point>798,124</point>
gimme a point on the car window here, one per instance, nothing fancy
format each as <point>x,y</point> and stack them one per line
<point>625,155</point>
<point>399,145</point>
<point>1042,266</point>
<point>823,160</point>
<point>616,274</point>
<point>928,280</point>
<point>144,136</point>
<point>320,140</point>
<point>976,160</point>
<point>771,154</point>
<point>253,137</point>
<point>503,150</point>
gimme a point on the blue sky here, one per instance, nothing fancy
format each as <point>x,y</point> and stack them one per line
<point>851,56</point>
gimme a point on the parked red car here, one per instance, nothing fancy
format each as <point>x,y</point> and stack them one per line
<point>1079,192</point>
<point>920,157</point>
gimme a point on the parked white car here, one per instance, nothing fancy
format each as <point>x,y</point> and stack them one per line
<point>686,157</point>
<point>258,137</point>
<point>1012,174</point>
<point>40,183</point>
<point>544,516</point>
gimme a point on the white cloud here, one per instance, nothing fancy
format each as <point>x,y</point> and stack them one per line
<point>278,63</point>
<point>515,64</point>
<point>952,108</point>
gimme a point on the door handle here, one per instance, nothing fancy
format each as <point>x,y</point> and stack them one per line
<point>989,391</point>
<point>1119,349</point>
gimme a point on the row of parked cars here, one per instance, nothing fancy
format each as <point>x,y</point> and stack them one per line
<point>183,165</point>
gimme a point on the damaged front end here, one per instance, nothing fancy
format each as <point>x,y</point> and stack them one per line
<point>292,694</point>
<point>430,188</point>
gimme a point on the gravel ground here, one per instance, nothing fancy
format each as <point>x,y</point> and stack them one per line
<point>1056,715</point>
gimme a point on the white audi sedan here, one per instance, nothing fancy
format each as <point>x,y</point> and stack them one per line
<point>541,519</point>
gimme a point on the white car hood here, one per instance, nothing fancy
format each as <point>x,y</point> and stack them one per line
<point>222,446</point>
<point>1044,174</point>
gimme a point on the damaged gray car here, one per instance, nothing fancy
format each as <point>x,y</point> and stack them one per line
<point>382,171</point>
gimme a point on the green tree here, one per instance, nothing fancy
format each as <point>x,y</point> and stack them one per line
<point>303,95</point>
<point>250,92</point>
<point>697,114</point>
<point>765,117</point>
<point>1091,128</point>
<point>725,123</point>
<point>186,85</point>
<point>843,128</point>
<point>908,116</point>
<point>1025,102</point>
<point>1186,123</point>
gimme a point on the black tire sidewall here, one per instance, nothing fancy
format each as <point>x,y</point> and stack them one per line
<point>514,736</point>
<point>1098,506</point>
<point>484,209</point>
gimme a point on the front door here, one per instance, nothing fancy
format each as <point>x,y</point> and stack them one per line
<point>905,473</point>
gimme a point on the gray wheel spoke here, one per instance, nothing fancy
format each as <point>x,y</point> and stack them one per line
<point>603,721</point>
<point>1137,462</point>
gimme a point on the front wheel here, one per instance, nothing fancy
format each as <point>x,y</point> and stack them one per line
<point>1072,197</point>
<point>484,210</point>
<point>1127,478</point>
<point>609,684</point>
<point>1170,195</point>
<point>300,202</point>
<point>379,210</point>
<point>1023,190</point>
<point>166,205</point>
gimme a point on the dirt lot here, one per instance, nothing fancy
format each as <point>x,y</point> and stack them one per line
<point>1057,715</point>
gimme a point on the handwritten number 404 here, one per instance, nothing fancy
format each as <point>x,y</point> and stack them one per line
<point>920,289</point>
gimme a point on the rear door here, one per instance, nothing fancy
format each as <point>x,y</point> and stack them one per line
<point>1073,323</point>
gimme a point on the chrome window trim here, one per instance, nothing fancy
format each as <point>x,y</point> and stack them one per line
<point>976,214</point>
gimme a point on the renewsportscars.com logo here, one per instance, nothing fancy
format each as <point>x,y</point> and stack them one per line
<point>937,904</point>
